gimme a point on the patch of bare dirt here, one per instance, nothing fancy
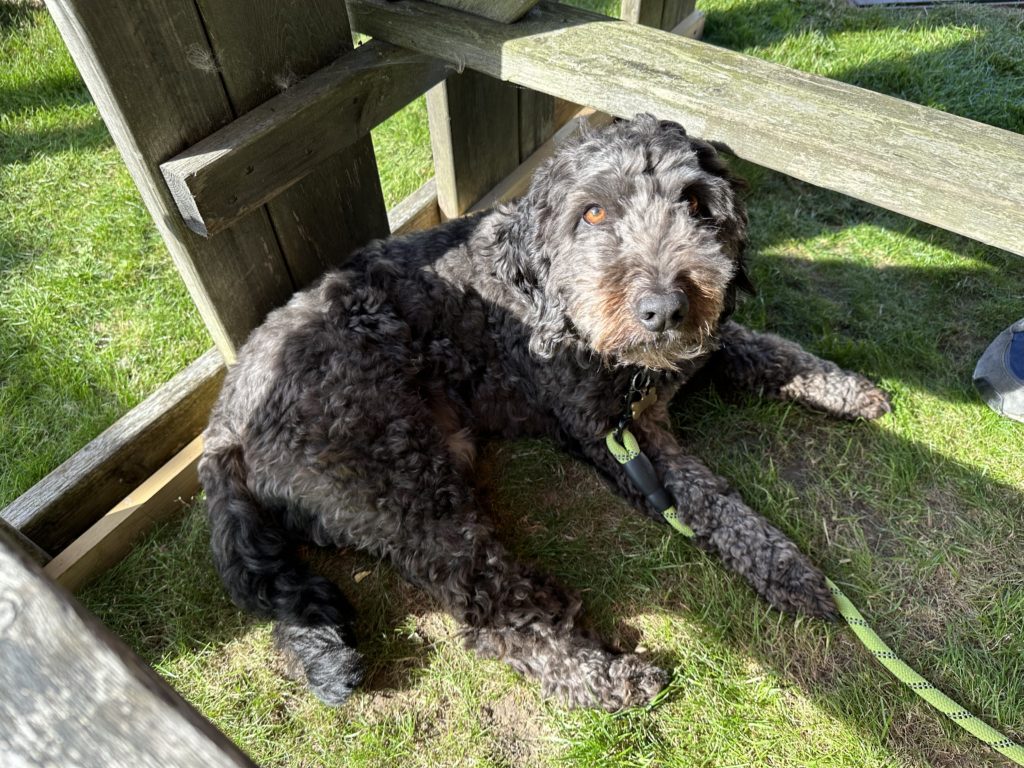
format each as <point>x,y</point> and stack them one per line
<point>518,735</point>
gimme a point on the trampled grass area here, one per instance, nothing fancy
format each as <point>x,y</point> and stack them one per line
<point>918,516</point>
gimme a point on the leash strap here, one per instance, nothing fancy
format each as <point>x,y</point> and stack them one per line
<point>624,447</point>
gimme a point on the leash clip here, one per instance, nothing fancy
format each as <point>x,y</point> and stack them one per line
<point>640,396</point>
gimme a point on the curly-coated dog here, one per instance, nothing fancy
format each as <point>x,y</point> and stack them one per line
<point>352,415</point>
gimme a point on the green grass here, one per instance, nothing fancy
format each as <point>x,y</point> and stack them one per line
<point>92,314</point>
<point>917,516</point>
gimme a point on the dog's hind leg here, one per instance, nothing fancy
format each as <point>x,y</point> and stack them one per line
<point>513,613</point>
<point>263,575</point>
<point>780,369</point>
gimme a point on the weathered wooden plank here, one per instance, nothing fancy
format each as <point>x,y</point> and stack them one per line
<point>265,151</point>
<point>536,121</point>
<point>418,211</point>
<point>72,694</point>
<point>111,538</point>
<point>939,168</point>
<point>29,547</point>
<point>62,505</point>
<point>646,12</point>
<point>154,80</point>
<point>339,206</point>
<point>474,135</point>
<point>674,11</point>
<point>517,182</point>
<point>503,11</point>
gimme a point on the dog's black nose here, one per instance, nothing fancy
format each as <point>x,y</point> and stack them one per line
<point>659,312</point>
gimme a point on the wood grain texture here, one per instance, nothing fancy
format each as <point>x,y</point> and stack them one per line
<point>154,80</point>
<point>262,47</point>
<point>536,121</point>
<point>517,182</point>
<point>418,211</point>
<point>110,538</point>
<point>910,159</point>
<point>646,12</point>
<point>61,506</point>
<point>474,135</point>
<point>503,11</point>
<point>73,694</point>
<point>267,150</point>
<point>25,544</point>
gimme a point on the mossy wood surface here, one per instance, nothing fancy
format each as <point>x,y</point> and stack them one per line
<point>945,170</point>
<point>267,150</point>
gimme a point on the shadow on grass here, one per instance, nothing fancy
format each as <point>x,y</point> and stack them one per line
<point>979,77</point>
<point>915,537</point>
<point>60,89</point>
<point>947,614</point>
<point>25,146</point>
<point>13,13</point>
<point>48,105</point>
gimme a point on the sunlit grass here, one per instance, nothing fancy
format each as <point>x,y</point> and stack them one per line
<point>919,515</point>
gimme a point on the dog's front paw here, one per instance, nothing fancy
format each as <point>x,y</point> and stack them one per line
<point>866,401</point>
<point>841,394</point>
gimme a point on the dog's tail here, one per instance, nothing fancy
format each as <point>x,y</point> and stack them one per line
<point>263,575</point>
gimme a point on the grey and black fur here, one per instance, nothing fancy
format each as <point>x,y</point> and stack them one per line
<point>352,416</point>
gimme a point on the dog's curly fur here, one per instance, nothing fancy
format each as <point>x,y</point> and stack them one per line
<point>352,415</point>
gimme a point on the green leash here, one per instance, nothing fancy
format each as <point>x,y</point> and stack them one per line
<point>623,446</point>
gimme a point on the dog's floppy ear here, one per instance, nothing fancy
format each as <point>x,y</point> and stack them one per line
<point>740,282</point>
<point>732,221</point>
<point>510,249</point>
<point>518,263</point>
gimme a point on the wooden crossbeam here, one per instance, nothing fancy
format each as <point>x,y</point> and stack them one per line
<point>62,505</point>
<point>252,159</point>
<point>945,170</point>
<point>517,182</point>
<point>503,11</point>
<point>110,539</point>
<point>418,211</point>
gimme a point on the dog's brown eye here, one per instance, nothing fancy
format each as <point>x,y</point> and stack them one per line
<point>595,214</point>
<point>693,204</point>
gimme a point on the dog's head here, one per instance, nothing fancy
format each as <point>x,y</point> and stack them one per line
<point>632,239</point>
